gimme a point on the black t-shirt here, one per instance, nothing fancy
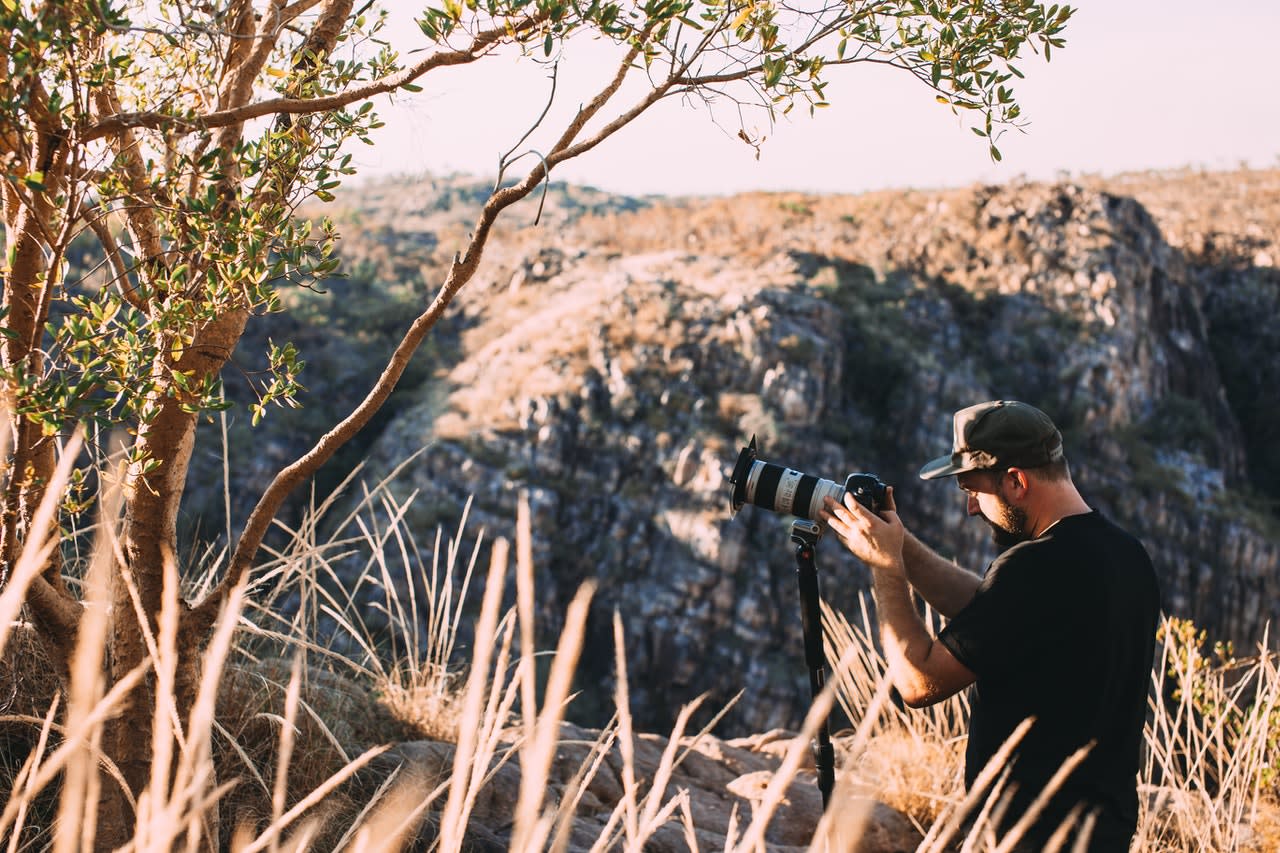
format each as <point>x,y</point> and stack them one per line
<point>1062,629</point>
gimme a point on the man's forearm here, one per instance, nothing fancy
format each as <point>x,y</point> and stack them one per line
<point>905,639</point>
<point>946,586</point>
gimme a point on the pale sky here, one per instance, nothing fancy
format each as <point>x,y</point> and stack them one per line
<point>1142,84</point>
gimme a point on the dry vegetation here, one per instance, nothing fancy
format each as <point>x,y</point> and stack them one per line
<point>285,748</point>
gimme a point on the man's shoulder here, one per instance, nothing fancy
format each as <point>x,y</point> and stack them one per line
<point>1083,547</point>
<point>1093,529</point>
<point>1021,563</point>
<point>1085,538</point>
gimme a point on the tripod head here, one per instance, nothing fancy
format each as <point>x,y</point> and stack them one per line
<point>805,532</point>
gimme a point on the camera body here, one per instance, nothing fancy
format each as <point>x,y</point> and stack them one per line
<point>785,490</point>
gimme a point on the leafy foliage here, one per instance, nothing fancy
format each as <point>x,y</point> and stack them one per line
<point>1223,688</point>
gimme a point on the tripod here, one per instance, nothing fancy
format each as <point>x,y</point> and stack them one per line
<point>806,534</point>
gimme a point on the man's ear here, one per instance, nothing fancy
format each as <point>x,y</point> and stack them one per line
<point>1019,480</point>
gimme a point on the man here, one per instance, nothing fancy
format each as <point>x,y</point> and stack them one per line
<point>1060,629</point>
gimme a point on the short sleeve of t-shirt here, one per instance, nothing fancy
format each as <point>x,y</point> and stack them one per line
<point>1001,627</point>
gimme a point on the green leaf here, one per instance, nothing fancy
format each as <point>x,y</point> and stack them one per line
<point>547,44</point>
<point>995,153</point>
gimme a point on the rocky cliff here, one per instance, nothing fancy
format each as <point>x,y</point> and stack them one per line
<point>613,366</point>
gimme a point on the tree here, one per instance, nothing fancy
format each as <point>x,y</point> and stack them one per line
<point>181,138</point>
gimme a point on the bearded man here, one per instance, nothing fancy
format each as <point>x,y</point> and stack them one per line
<point>1060,629</point>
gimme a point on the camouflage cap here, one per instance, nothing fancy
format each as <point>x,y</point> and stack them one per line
<point>998,434</point>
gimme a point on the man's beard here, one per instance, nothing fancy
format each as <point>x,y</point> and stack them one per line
<point>1009,527</point>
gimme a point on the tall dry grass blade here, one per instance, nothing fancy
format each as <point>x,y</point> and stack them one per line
<point>299,840</point>
<point>456,811</point>
<point>536,757</point>
<point>367,823</point>
<point>653,814</point>
<point>796,754</point>
<point>407,618</point>
<point>626,742</point>
<point>293,695</point>
<point>577,787</point>
<point>1210,749</point>
<point>447,634</point>
<point>78,800</point>
<point>381,486</point>
<point>1037,807</point>
<point>158,810</point>
<point>686,822</point>
<point>25,779</point>
<point>986,776</point>
<point>76,739</point>
<point>405,625</point>
<point>195,761</point>
<point>39,543</point>
<point>272,833</point>
<point>385,829</point>
<point>1081,844</point>
<point>731,831</point>
<point>226,482</point>
<point>1058,839</point>
<point>841,828</point>
<point>411,817</point>
<point>524,610</point>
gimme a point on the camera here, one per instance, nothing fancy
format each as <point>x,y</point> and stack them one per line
<point>784,490</point>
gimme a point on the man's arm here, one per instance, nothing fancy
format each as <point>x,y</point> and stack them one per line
<point>946,586</point>
<point>923,670</point>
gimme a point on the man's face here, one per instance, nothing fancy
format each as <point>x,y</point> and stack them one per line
<point>984,491</point>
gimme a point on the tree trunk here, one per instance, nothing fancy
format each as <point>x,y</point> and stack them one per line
<point>150,539</point>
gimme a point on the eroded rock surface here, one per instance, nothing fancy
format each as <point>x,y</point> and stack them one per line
<point>614,378</point>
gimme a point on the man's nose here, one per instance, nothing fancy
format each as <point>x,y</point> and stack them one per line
<point>971,505</point>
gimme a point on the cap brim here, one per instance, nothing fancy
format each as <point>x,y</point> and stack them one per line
<point>943,466</point>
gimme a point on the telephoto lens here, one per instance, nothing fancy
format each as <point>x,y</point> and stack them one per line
<point>785,490</point>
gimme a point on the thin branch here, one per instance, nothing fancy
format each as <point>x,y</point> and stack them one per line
<point>141,218</point>
<point>504,160</point>
<point>119,271</point>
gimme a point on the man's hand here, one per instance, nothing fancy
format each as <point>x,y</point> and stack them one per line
<point>923,670</point>
<point>874,539</point>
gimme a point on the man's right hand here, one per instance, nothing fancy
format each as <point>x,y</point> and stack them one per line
<point>874,539</point>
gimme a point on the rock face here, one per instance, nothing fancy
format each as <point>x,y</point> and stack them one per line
<point>614,373</point>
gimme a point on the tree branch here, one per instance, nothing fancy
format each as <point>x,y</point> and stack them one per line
<point>480,45</point>
<point>237,90</point>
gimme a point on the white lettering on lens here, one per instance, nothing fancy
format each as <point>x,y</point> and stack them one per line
<point>787,490</point>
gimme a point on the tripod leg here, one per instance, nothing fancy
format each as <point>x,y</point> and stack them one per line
<point>815,656</point>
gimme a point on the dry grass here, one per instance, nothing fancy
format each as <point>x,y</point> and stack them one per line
<point>283,749</point>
